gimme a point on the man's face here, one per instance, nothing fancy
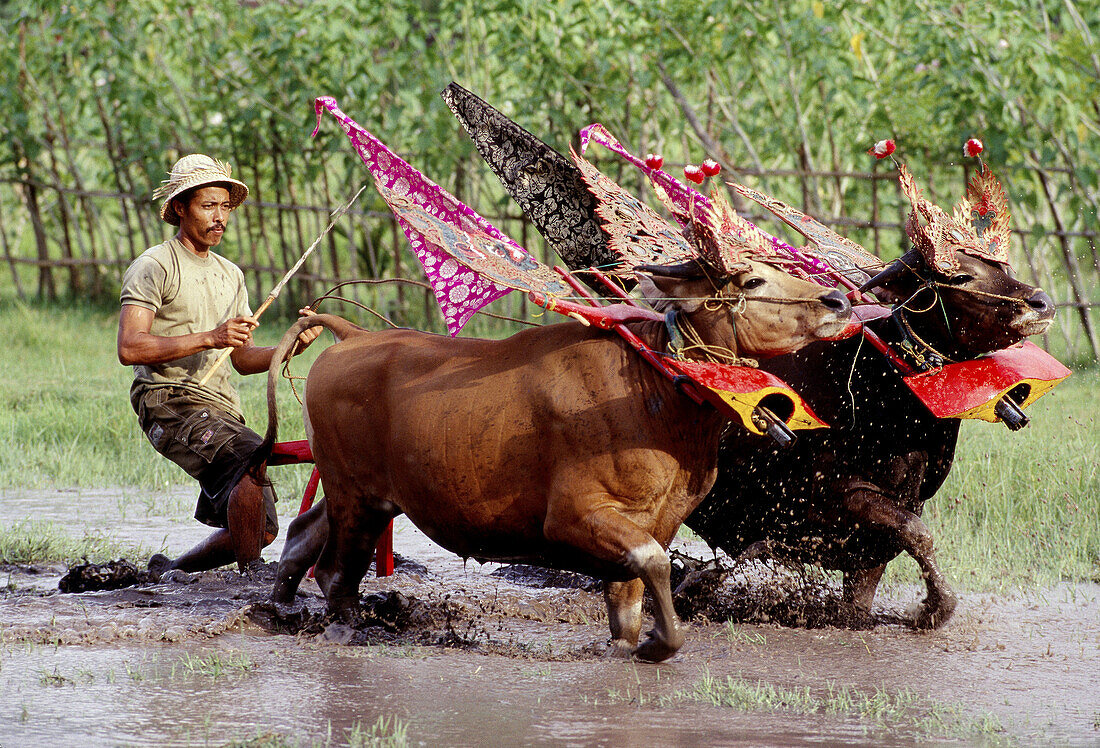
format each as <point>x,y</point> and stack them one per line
<point>205,217</point>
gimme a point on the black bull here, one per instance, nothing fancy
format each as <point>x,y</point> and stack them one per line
<point>848,497</point>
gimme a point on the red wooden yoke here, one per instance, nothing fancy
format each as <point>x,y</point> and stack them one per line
<point>1019,374</point>
<point>298,452</point>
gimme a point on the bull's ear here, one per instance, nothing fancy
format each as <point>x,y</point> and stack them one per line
<point>663,292</point>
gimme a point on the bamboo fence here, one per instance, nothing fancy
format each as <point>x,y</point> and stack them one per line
<point>62,239</point>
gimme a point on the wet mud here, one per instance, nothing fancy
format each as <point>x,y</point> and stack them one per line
<point>470,654</point>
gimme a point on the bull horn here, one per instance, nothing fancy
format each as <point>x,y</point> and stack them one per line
<point>688,270</point>
<point>893,270</point>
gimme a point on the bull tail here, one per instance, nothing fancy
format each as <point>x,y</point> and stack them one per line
<point>339,327</point>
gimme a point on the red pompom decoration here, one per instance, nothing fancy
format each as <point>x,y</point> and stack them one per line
<point>654,160</point>
<point>693,173</point>
<point>882,149</point>
<point>710,167</point>
<point>973,147</point>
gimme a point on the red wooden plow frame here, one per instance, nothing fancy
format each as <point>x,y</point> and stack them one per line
<point>298,453</point>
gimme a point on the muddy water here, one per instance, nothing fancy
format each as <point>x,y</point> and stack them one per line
<point>188,661</point>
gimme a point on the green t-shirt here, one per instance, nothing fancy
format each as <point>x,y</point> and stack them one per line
<point>189,294</point>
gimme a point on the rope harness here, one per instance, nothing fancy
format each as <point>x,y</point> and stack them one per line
<point>684,338</point>
<point>922,354</point>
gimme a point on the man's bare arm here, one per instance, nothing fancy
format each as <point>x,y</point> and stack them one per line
<point>136,345</point>
<point>253,359</point>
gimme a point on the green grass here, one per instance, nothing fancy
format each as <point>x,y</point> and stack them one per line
<point>1018,508</point>
<point>388,732</point>
<point>33,542</point>
<point>894,711</point>
<point>215,665</point>
<point>1021,508</point>
<point>385,732</point>
<point>734,633</point>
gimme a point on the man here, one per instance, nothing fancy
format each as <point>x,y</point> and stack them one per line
<point>181,304</point>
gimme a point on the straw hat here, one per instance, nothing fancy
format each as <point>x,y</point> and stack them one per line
<point>197,170</point>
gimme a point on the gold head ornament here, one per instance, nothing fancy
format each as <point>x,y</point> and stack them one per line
<point>979,226</point>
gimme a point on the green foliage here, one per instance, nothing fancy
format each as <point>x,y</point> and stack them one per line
<point>824,78</point>
<point>109,93</point>
<point>105,95</point>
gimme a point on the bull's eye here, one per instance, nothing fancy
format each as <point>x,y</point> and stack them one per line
<point>752,283</point>
<point>958,280</point>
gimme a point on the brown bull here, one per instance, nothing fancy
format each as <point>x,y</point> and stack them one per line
<point>558,446</point>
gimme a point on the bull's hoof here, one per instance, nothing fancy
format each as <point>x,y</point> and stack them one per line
<point>619,649</point>
<point>655,649</point>
<point>935,612</point>
<point>855,617</point>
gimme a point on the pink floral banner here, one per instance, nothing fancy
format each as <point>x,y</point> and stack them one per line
<point>459,290</point>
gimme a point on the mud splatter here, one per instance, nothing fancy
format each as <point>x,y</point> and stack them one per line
<point>112,575</point>
<point>461,651</point>
<point>720,589</point>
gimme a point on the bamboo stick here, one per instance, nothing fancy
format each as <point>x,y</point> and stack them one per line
<point>334,257</point>
<point>108,136</point>
<point>1072,269</point>
<point>76,284</point>
<point>82,199</point>
<point>279,286</point>
<point>257,182</point>
<point>11,260</point>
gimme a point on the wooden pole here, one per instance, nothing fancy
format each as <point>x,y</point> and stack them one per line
<point>1073,270</point>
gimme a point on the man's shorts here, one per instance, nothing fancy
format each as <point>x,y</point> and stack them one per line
<point>210,444</point>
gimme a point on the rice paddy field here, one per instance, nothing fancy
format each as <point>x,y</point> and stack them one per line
<point>473,652</point>
<point>1018,508</point>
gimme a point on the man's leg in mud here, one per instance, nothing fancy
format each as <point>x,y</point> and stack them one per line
<point>246,521</point>
<point>240,542</point>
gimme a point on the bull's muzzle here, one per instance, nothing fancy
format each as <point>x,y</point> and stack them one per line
<point>1042,304</point>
